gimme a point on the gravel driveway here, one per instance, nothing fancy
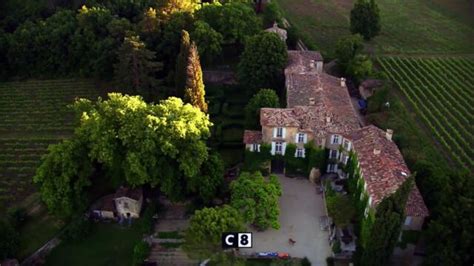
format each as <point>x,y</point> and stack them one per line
<point>300,209</point>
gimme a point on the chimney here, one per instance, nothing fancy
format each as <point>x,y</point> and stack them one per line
<point>311,101</point>
<point>328,119</point>
<point>311,64</point>
<point>376,151</point>
<point>343,82</point>
<point>389,134</point>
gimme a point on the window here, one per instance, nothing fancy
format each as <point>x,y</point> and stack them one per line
<point>300,137</point>
<point>333,154</point>
<point>279,132</point>
<point>125,205</point>
<point>299,153</point>
<point>335,139</point>
<point>332,168</point>
<point>255,147</point>
<point>278,147</point>
<point>408,220</point>
<point>346,144</point>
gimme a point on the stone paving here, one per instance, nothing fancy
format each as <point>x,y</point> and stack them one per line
<point>300,210</point>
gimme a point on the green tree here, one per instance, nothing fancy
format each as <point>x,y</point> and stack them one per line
<point>365,19</point>
<point>347,48</point>
<point>158,144</point>
<point>168,47</point>
<point>168,7</point>
<point>63,177</point>
<point>194,92</point>
<point>386,228</point>
<point>136,68</point>
<point>257,199</point>
<point>235,21</point>
<point>203,236</point>
<point>360,68</point>
<point>210,179</point>
<point>208,40</point>
<point>262,61</point>
<point>452,222</point>
<point>341,209</point>
<point>182,63</point>
<point>263,98</point>
<point>10,240</point>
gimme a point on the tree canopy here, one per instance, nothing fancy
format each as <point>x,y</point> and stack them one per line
<point>341,209</point>
<point>263,98</point>
<point>203,236</point>
<point>347,48</point>
<point>182,64</point>
<point>262,61</point>
<point>136,68</point>
<point>365,19</point>
<point>63,176</point>
<point>235,21</point>
<point>210,179</point>
<point>257,199</point>
<point>208,40</point>
<point>135,143</point>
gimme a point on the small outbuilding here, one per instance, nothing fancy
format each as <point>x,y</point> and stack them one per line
<point>368,87</point>
<point>279,31</point>
<point>125,202</point>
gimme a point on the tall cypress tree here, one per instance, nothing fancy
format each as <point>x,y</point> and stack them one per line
<point>385,231</point>
<point>136,67</point>
<point>181,64</point>
<point>194,93</point>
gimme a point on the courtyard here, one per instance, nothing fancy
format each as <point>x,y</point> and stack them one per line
<point>300,209</point>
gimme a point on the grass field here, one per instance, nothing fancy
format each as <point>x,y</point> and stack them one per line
<point>408,26</point>
<point>108,244</point>
<point>33,115</point>
<point>441,92</point>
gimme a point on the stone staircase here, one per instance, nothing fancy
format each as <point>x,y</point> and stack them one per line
<point>170,256</point>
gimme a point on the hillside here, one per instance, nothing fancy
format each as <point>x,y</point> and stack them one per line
<point>408,26</point>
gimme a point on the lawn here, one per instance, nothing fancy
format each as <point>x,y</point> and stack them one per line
<point>108,244</point>
<point>408,26</point>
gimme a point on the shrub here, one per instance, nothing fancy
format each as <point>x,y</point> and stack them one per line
<point>305,262</point>
<point>271,14</point>
<point>140,252</point>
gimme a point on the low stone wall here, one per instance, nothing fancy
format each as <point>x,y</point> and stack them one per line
<point>37,258</point>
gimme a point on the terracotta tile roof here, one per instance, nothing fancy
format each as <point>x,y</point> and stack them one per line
<point>383,168</point>
<point>252,136</point>
<point>135,193</point>
<point>300,61</point>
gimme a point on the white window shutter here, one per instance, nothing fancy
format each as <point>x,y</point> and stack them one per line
<point>332,139</point>
<point>328,169</point>
<point>283,147</point>
<point>251,147</point>
<point>305,138</point>
<point>284,136</point>
<point>349,146</point>
<point>273,148</point>
<point>304,152</point>
<point>296,153</point>
<point>258,147</point>
<point>274,132</point>
<point>296,137</point>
